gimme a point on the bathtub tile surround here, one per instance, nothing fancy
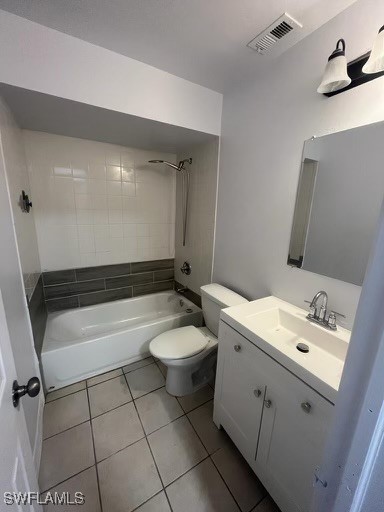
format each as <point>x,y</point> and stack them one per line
<point>30,283</point>
<point>18,180</point>
<point>38,315</point>
<point>72,288</point>
<point>198,250</point>
<point>98,203</point>
<point>150,455</point>
<point>190,295</point>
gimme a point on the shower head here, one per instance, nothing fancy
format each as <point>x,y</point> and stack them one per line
<point>179,167</point>
<point>174,166</point>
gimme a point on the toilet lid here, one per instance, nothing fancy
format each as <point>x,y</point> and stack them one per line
<point>178,343</point>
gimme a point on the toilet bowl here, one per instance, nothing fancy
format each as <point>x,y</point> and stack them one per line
<point>190,352</point>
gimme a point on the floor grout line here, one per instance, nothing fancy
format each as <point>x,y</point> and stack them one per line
<point>225,483</point>
<point>66,430</point>
<point>110,410</point>
<point>210,457</point>
<point>66,479</point>
<point>94,455</point>
<point>64,396</point>
<point>150,450</point>
<point>102,381</point>
<point>145,436</point>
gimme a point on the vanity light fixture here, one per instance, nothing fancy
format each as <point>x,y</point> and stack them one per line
<point>340,76</point>
<point>375,63</point>
<point>335,75</point>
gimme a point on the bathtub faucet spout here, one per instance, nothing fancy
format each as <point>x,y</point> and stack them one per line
<point>182,290</point>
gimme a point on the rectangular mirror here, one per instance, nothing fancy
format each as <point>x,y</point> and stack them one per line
<point>338,203</point>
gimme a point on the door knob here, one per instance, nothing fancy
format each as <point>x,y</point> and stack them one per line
<point>257,393</point>
<point>267,403</point>
<point>237,348</point>
<point>31,389</point>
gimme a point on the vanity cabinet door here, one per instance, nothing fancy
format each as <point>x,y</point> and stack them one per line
<point>295,423</point>
<point>240,390</point>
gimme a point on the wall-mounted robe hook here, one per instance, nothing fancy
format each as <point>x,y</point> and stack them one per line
<point>25,203</point>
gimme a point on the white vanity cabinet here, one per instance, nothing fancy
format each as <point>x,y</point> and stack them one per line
<point>278,422</point>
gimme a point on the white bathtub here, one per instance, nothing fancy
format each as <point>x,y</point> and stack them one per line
<point>83,342</point>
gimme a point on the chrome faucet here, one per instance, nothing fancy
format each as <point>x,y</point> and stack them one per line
<point>318,314</point>
<point>313,308</point>
<point>181,290</point>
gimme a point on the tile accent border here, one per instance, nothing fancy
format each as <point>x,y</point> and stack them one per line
<point>72,288</point>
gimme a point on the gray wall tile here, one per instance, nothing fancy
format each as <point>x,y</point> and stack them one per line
<point>163,275</point>
<point>88,299</point>
<point>65,290</point>
<point>64,303</point>
<point>145,266</point>
<point>84,274</point>
<point>59,277</point>
<point>143,289</point>
<point>119,282</point>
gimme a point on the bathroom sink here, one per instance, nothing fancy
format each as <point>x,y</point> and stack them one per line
<point>313,353</point>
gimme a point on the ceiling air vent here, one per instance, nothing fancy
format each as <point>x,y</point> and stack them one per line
<point>275,34</point>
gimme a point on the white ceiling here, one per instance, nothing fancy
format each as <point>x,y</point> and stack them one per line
<point>203,41</point>
<point>41,112</point>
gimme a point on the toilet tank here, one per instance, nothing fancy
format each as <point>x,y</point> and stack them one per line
<point>214,298</point>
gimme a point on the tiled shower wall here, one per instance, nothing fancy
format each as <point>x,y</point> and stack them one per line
<point>99,204</point>
<point>17,178</point>
<point>198,250</point>
<point>72,288</point>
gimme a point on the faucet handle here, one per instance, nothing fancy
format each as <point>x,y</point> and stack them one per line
<point>312,309</point>
<point>332,319</point>
<point>338,314</point>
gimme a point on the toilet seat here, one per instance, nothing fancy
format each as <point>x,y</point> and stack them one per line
<point>179,343</point>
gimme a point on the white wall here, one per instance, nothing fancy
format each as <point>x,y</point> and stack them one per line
<point>18,180</point>
<point>98,203</point>
<point>265,123</point>
<point>41,59</point>
<point>198,250</point>
<point>346,204</point>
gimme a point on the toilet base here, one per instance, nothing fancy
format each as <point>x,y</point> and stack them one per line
<point>185,379</point>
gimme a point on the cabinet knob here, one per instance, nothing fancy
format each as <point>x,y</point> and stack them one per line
<point>306,406</point>
<point>267,403</point>
<point>257,392</point>
<point>237,348</point>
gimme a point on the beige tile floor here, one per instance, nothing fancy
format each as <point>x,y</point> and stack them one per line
<point>128,445</point>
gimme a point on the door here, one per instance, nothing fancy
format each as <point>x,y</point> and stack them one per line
<point>11,283</point>
<point>17,471</point>
<point>240,404</point>
<point>295,423</point>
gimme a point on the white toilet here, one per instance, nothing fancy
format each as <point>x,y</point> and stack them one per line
<point>190,352</point>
